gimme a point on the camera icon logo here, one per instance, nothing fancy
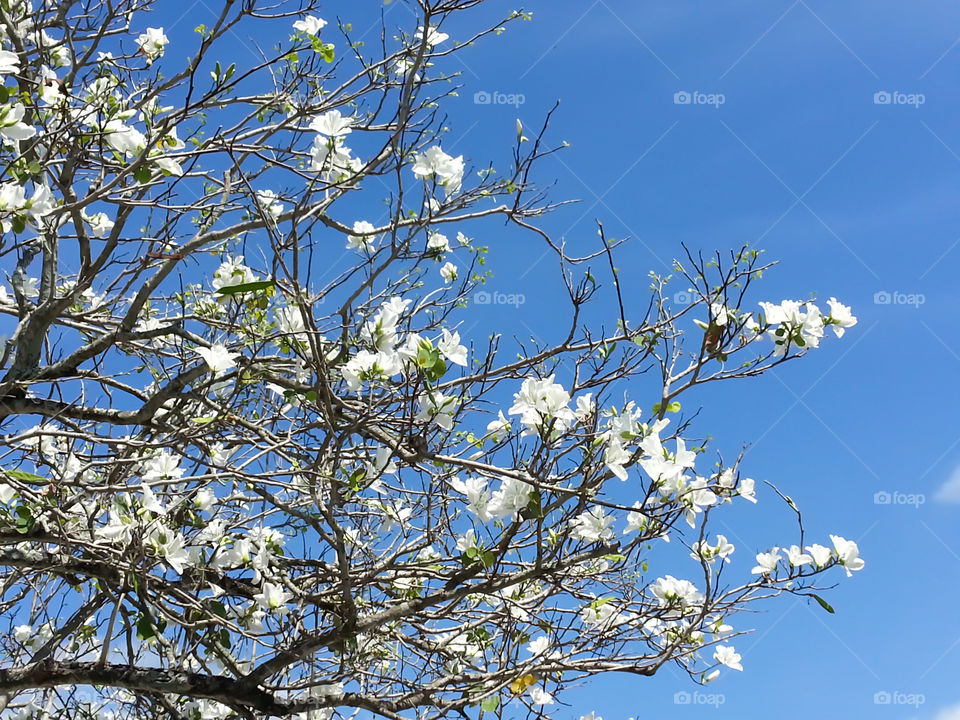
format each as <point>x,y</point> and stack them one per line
<point>882,97</point>
<point>481,97</point>
<point>481,298</point>
<point>881,698</point>
<point>882,498</point>
<point>682,697</point>
<point>682,297</point>
<point>881,297</point>
<point>682,97</point>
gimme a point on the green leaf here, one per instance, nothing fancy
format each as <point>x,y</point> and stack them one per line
<point>25,520</point>
<point>490,704</point>
<point>823,603</point>
<point>218,609</point>
<point>142,175</point>
<point>246,287</point>
<point>673,407</point>
<point>25,476</point>
<point>145,629</point>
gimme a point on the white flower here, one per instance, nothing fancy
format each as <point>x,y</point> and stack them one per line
<point>727,655</point>
<point>41,203</point>
<point>363,236</point>
<point>450,347</point>
<point>593,526</point>
<point>161,466</point>
<point>703,551</point>
<point>510,498</point>
<point>615,458</point>
<point>170,546</point>
<point>7,493</point>
<point>538,646</point>
<point>150,501</point>
<point>500,425</point>
<point>820,555</point>
<point>9,63</point>
<point>439,408</point>
<point>448,272</point>
<point>467,541</point>
<point>673,592</point>
<point>445,169</point>
<point>29,286</point>
<point>601,617</point>
<point>841,317</point>
<point>434,37</point>
<point>152,43</point>
<point>366,365</point>
<point>123,138</point>
<point>23,633</point>
<point>11,127</point>
<point>585,407</point>
<point>218,358</point>
<point>747,491</point>
<point>332,124</point>
<point>697,497</point>
<point>267,199</point>
<point>100,223</point>
<point>638,521</point>
<point>848,554</point>
<point>541,401</point>
<point>310,25</point>
<point>796,557</point>
<point>289,321</point>
<point>438,243</point>
<point>232,272</point>
<point>767,562</point>
<point>204,499</point>
<point>539,696</point>
<point>381,331</point>
<point>273,597</point>
<point>719,313</point>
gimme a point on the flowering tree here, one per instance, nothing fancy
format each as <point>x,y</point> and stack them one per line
<point>230,489</point>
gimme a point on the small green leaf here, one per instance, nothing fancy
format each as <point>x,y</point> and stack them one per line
<point>490,704</point>
<point>823,603</point>
<point>25,520</point>
<point>246,287</point>
<point>25,476</point>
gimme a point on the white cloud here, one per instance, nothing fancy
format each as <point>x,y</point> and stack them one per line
<point>952,712</point>
<point>949,492</point>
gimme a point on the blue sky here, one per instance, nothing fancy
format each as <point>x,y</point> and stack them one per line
<point>856,198</point>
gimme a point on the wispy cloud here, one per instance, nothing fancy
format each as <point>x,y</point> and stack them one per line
<point>952,712</point>
<point>949,492</point>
